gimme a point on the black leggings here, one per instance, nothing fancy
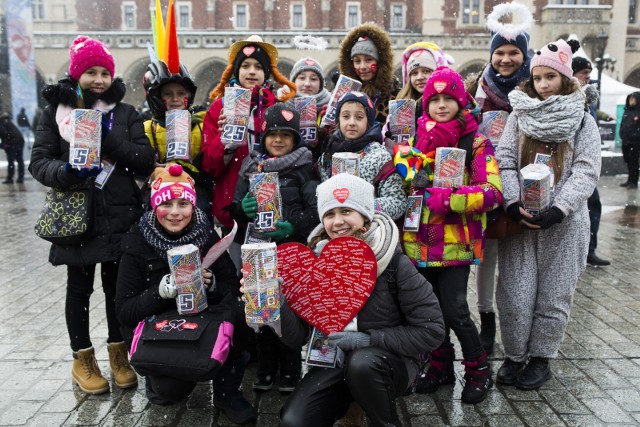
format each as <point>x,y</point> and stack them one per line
<point>450,286</point>
<point>372,377</point>
<point>79,290</point>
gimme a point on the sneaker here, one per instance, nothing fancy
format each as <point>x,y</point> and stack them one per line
<point>440,371</point>
<point>624,184</point>
<point>287,383</point>
<point>7,181</point>
<point>477,379</point>
<point>509,372</point>
<point>595,260</point>
<point>20,181</point>
<point>263,383</point>
<point>536,373</point>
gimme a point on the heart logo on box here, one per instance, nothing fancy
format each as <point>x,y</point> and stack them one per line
<point>328,291</point>
<point>84,128</point>
<point>265,193</point>
<point>288,115</point>
<point>248,50</point>
<point>449,168</point>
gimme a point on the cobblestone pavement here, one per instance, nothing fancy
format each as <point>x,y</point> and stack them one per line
<point>596,378</point>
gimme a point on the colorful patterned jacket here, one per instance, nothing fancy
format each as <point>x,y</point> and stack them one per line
<point>453,221</point>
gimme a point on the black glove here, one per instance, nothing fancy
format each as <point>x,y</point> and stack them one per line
<point>547,218</point>
<point>514,212</point>
<point>83,172</point>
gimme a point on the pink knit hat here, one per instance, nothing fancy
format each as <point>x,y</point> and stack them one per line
<point>171,182</point>
<point>447,81</point>
<point>557,55</point>
<point>85,53</point>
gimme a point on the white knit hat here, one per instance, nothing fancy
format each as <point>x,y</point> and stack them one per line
<point>346,190</point>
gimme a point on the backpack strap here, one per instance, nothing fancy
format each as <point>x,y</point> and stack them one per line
<point>466,143</point>
<point>386,170</point>
<point>392,281</point>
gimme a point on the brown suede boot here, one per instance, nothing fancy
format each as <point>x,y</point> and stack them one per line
<point>86,373</point>
<point>121,371</point>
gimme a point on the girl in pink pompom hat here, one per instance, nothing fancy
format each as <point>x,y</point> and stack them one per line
<point>124,152</point>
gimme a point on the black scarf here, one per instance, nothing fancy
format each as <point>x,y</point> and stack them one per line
<point>198,233</point>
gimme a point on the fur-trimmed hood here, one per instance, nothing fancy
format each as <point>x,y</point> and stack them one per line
<point>64,92</point>
<point>384,81</point>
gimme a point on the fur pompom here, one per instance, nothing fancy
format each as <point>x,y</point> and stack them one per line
<point>521,20</point>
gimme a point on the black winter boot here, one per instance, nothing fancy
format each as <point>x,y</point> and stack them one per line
<point>478,379</point>
<point>509,372</point>
<point>536,373</point>
<point>487,331</point>
<point>440,370</point>
<point>226,391</point>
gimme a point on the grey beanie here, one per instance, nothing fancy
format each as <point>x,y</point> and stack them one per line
<point>307,64</point>
<point>365,46</point>
<point>346,190</point>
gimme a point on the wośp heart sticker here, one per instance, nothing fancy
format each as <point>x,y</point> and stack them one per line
<point>265,193</point>
<point>327,291</point>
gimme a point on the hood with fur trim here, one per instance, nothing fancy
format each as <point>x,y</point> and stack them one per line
<point>64,92</point>
<point>384,81</point>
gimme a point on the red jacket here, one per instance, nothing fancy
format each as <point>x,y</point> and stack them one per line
<point>226,176</point>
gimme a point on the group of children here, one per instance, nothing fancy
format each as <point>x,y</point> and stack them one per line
<point>539,268</point>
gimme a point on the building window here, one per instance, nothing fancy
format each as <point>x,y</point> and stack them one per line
<point>397,16</point>
<point>471,12</point>
<point>128,15</point>
<point>37,9</point>
<point>353,15</point>
<point>297,15</point>
<point>183,15</point>
<point>241,15</point>
<point>633,10</point>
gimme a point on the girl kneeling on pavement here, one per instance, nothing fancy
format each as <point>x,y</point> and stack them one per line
<point>539,268</point>
<point>144,285</point>
<point>383,342</point>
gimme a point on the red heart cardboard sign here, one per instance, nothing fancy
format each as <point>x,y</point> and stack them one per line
<point>248,50</point>
<point>288,115</point>
<point>265,193</point>
<point>330,290</point>
<point>341,194</point>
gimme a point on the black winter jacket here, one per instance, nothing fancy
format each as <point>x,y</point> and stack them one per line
<point>139,275</point>
<point>299,201</point>
<point>9,133</point>
<point>119,202</point>
<point>630,122</point>
<point>421,331</point>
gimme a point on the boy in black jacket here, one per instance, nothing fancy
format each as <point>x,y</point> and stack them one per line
<point>284,153</point>
<point>630,135</point>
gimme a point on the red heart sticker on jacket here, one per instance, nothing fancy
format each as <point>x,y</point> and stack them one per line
<point>341,194</point>
<point>327,291</point>
<point>430,125</point>
<point>248,50</point>
<point>288,115</point>
<point>439,86</point>
<point>265,193</point>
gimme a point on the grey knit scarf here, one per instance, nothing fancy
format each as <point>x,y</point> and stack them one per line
<point>555,119</point>
<point>283,164</point>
